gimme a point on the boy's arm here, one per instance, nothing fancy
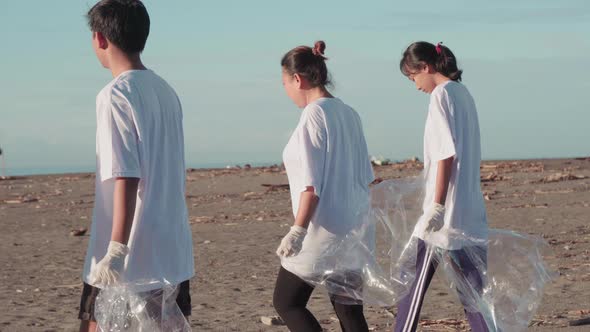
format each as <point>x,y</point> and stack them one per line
<point>124,199</point>
<point>108,270</point>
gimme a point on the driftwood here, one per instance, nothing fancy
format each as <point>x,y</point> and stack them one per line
<point>275,187</point>
<point>580,322</point>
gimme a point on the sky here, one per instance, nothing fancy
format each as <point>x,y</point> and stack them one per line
<point>525,63</point>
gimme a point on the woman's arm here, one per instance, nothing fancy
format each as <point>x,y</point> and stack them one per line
<point>308,202</point>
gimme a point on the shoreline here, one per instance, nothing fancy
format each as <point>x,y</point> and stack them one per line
<point>243,166</point>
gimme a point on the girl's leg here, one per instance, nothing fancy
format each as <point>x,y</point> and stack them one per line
<point>472,261</point>
<point>408,310</point>
<point>290,300</point>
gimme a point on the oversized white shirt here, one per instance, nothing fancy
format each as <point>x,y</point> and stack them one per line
<point>139,134</point>
<point>327,151</point>
<point>452,130</point>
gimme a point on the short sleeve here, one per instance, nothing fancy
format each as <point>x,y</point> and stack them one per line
<point>312,137</point>
<point>117,139</point>
<point>368,174</point>
<point>439,130</point>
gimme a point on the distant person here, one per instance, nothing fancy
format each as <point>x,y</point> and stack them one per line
<point>329,173</point>
<point>3,167</point>
<point>454,218</point>
<point>140,227</point>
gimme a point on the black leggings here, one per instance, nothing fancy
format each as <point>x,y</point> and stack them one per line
<point>290,300</point>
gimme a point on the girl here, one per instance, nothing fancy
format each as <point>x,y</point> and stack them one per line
<point>329,172</point>
<point>454,223</point>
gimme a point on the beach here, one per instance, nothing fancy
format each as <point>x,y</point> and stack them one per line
<point>238,217</point>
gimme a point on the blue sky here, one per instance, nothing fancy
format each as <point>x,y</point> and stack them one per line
<point>525,62</point>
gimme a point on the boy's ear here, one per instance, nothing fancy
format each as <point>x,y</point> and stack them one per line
<point>103,43</point>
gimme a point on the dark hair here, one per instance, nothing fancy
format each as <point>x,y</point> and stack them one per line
<point>423,53</point>
<point>309,63</point>
<point>125,23</point>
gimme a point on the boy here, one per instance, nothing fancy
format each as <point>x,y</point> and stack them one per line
<point>140,225</point>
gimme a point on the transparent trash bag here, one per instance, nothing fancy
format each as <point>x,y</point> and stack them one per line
<point>502,277</point>
<point>363,265</point>
<point>129,308</point>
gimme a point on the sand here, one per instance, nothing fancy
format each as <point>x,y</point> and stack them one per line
<point>237,224</point>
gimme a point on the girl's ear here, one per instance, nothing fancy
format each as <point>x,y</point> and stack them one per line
<point>298,80</point>
<point>428,69</point>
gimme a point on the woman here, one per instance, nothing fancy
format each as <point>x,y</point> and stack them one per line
<point>329,173</point>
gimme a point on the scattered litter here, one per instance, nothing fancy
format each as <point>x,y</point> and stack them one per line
<point>557,177</point>
<point>78,232</point>
<point>380,161</point>
<point>275,187</point>
<point>272,320</point>
<point>26,199</point>
<point>539,206</point>
<point>492,177</point>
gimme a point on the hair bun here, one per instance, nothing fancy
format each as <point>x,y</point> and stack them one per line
<point>318,48</point>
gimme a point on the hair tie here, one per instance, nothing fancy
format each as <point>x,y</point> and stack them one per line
<point>438,48</point>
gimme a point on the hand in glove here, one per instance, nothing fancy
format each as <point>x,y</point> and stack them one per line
<point>435,217</point>
<point>108,270</point>
<point>292,242</point>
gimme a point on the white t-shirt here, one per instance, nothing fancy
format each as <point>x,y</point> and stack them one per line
<point>327,151</point>
<point>452,129</point>
<point>139,134</point>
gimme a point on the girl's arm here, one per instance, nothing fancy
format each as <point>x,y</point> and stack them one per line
<point>443,176</point>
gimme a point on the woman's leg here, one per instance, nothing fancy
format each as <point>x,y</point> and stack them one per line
<point>408,310</point>
<point>351,316</point>
<point>349,310</point>
<point>290,300</point>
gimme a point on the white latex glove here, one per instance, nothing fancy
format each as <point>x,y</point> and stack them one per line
<point>108,270</point>
<point>292,242</point>
<point>435,217</point>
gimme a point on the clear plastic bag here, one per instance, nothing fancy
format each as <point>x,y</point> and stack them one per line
<point>512,276</point>
<point>129,308</point>
<point>502,277</point>
<point>365,265</point>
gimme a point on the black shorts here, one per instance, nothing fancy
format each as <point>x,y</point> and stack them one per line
<point>89,294</point>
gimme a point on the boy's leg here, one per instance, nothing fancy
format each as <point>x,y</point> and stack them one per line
<point>184,298</point>
<point>472,261</point>
<point>86,313</point>
<point>408,310</point>
<point>158,299</point>
<point>290,300</point>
